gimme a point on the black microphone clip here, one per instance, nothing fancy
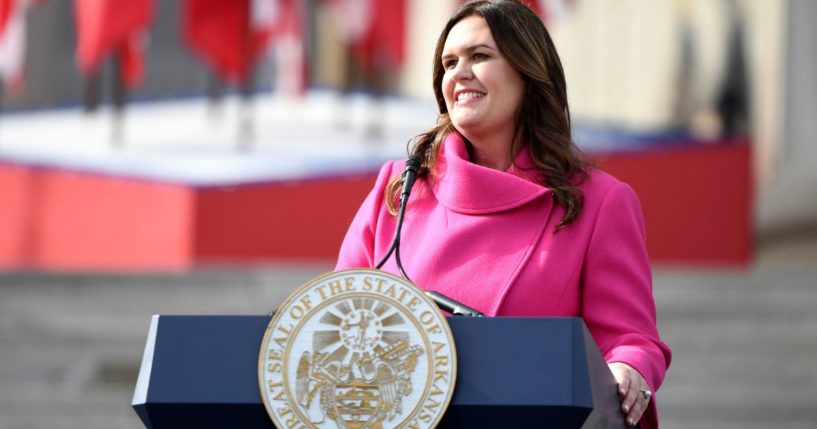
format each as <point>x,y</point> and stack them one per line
<point>454,307</point>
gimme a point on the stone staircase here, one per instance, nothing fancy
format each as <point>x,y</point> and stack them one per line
<point>745,348</point>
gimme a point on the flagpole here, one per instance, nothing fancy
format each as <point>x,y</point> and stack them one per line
<point>375,80</point>
<point>119,95</point>
<point>91,90</point>
<point>246,124</point>
<point>245,87</point>
<point>215,97</point>
<point>343,120</point>
<point>2,100</point>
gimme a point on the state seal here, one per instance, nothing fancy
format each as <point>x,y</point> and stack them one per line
<point>357,349</point>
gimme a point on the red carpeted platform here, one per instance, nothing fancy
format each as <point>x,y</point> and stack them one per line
<point>62,220</point>
<point>696,200</point>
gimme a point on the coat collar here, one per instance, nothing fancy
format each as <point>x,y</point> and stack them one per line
<point>465,187</point>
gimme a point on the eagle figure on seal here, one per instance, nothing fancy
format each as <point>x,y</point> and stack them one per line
<point>361,392</point>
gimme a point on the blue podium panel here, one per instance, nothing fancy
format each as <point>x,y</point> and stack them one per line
<point>530,372</point>
<point>201,372</point>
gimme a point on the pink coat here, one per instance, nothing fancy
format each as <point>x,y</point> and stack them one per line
<point>487,238</point>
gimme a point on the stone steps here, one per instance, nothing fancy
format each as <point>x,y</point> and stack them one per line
<point>745,348</point>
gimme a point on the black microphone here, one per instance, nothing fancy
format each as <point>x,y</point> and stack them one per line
<point>456,308</point>
<point>409,176</point>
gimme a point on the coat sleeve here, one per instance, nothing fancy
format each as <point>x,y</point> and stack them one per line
<point>358,247</point>
<point>617,297</point>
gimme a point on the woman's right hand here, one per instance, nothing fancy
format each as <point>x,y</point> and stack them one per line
<point>633,391</point>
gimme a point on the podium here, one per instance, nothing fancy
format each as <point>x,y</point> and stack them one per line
<point>202,372</point>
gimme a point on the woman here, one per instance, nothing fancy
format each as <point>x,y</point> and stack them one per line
<point>506,217</point>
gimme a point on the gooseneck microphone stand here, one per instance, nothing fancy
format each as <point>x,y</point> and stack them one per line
<point>409,176</point>
<point>445,303</point>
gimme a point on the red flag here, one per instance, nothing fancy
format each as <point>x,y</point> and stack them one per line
<point>223,34</point>
<point>387,38</point>
<point>107,26</point>
<point>12,42</point>
<point>377,33</point>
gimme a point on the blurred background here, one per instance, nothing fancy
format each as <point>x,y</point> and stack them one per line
<point>206,157</point>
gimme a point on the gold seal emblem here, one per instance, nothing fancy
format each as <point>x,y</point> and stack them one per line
<point>357,349</point>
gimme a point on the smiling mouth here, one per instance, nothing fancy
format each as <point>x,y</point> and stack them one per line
<point>466,96</point>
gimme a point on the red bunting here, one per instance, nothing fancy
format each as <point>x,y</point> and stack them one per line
<point>12,42</point>
<point>377,34</point>
<point>6,7</point>
<point>106,27</point>
<point>223,34</point>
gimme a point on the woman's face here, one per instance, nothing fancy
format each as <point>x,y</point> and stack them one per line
<point>482,91</point>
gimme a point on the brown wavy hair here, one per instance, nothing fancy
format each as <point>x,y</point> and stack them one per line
<point>543,119</point>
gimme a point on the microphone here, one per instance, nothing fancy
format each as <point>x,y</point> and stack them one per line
<point>456,308</point>
<point>409,176</point>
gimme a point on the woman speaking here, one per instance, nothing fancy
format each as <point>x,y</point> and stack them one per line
<point>506,216</point>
